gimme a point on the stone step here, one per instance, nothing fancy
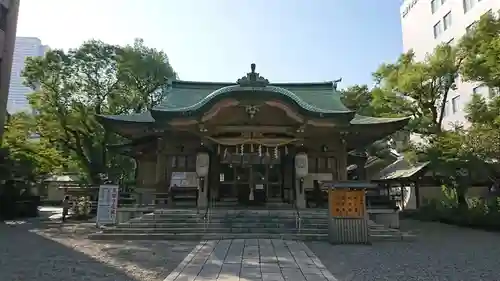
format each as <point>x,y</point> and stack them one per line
<point>204,236</point>
<point>222,224</point>
<point>392,237</point>
<point>202,229</point>
<point>225,220</point>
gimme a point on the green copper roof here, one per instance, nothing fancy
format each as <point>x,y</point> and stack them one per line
<point>144,117</point>
<point>318,100</point>
<point>399,170</point>
<point>193,98</point>
<point>367,120</point>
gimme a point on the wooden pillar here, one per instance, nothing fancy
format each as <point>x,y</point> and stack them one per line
<point>160,162</point>
<point>417,193</point>
<point>342,162</point>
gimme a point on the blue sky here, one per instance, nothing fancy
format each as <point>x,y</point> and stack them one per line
<point>289,40</point>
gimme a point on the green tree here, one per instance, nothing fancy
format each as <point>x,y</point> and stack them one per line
<point>28,157</point>
<point>453,162</point>
<point>96,78</point>
<point>379,103</point>
<point>424,86</point>
<point>481,51</point>
<point>145,73</point>
<point>358,98</point>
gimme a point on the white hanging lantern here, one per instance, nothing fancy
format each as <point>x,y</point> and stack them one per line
<point>202,164</point>
<point>301,165</point>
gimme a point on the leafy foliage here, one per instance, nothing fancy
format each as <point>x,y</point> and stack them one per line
<point>480,49</point>
<point>29,157</point>
<point>72,88</point>
<point>425,86</point>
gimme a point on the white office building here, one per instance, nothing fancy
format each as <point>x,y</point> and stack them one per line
<point>427,23</point>
<point>24,47</point>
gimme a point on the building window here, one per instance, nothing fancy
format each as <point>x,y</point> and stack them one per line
<point>447,21</point>
<point>470,27</point>
<point>468,5</point>
<point>435,5</point>
<point>438,29</point>
<point>454,104</point>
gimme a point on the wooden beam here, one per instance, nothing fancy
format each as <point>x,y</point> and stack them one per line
<point>260,129</point>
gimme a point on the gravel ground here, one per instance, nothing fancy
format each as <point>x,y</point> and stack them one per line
<point>51,252</point>
<point>441,252</point>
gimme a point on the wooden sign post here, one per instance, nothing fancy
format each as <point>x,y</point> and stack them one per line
<point>348,222</point>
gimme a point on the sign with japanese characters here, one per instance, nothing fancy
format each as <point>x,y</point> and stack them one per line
<point>347,203</point>
<point>107,204</point>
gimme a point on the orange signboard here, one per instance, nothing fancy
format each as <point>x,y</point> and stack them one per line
<point>347,203</point>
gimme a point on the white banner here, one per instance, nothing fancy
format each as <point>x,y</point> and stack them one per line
<point>107,204</point>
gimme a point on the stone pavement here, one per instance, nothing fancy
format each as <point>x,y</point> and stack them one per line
<point>252,260</point>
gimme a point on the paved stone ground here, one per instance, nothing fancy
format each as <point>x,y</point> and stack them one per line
<point>50,251</point>
<point>441,252</point>
<point>251,260</point>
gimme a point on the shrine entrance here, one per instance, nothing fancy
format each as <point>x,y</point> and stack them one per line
<point>251,184</point>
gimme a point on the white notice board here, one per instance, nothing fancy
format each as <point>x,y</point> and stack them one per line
<point>107,204</point>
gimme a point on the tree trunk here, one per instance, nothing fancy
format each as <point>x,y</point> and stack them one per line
<point>461,197</point>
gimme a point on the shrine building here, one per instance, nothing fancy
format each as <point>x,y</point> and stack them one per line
<point>246,143</point>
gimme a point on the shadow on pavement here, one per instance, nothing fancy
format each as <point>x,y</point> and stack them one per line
<point>49,250</point>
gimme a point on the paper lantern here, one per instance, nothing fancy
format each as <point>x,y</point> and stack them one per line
<point>301,165</point>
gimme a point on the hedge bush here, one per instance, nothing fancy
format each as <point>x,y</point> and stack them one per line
<point>480,214</point>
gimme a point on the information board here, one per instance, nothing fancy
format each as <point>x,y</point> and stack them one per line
<point>347,203</point>
<point>107,204</point>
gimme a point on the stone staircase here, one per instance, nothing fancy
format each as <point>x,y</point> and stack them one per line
<point>188,224</point>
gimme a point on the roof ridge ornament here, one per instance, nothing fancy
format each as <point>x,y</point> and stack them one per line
<point>336,82</point>
<point>252,79</point>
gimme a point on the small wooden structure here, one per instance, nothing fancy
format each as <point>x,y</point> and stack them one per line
<point>348,219</point>
<point>402,173</point>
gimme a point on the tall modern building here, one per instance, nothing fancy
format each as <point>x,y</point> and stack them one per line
<point>9,10</point>
<point>427,23</point>
<point>25,47</point>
